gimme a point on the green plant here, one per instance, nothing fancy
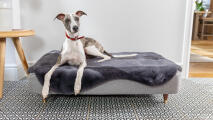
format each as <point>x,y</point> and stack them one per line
<point>199,6</point>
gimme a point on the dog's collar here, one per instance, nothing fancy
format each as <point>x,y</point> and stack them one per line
<point>74,39</point>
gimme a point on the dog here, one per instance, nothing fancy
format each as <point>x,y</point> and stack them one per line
<point>75,49</point>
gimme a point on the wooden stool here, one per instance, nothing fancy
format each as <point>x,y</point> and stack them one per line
<point>206,22</point>
<point>197,17</point>
<point>15,34</point>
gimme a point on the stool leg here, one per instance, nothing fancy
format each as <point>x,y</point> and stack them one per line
<point>20,52</point>
<point>2,61</point>
<point>203,31</point>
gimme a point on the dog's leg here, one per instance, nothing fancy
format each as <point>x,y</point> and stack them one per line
<point>92,50</point>
<point>77,86</point>
<point>45,90</point>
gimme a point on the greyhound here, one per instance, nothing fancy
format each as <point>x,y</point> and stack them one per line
<point>75,49</point>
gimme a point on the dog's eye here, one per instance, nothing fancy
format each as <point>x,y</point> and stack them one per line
<point>76,19</point>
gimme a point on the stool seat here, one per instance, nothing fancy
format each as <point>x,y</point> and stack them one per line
<point>16,33</point>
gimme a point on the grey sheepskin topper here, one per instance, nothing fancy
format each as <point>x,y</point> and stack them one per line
<point>146,68</point>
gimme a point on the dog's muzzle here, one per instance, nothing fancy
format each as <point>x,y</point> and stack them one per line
<point>75,28</point>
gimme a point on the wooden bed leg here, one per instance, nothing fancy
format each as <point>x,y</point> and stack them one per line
<point>44,100</point>
<point>165,97</point>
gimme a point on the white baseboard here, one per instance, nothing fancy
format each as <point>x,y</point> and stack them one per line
<point>10,73</point>
<point>15,72</point>
<point>20,70</point>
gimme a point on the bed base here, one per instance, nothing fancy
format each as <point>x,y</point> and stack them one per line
<point>165,98</point>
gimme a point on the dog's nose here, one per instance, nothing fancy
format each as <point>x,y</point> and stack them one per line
<point>75,28</point>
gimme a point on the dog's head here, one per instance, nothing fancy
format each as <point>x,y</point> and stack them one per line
<point>71,21</point>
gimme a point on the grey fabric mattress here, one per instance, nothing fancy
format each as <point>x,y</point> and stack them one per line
<point>120,87</point>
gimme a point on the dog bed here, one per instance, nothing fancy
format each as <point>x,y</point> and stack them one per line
<point>146,69</point>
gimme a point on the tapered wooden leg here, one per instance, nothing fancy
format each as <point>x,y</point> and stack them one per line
<point>44,100</point>
<point>20,52</point>
<point>165,97</point>
<point>2,61</point>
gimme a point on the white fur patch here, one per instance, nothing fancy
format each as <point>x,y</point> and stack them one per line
<point>92,50</point>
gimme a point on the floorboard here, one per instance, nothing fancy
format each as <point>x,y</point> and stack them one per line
<point>202,69</point>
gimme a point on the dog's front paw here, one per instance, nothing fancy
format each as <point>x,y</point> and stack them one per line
<point>77,91</point>
<point>77,86</point>
<point>45,89</point>
<point>44,93</point>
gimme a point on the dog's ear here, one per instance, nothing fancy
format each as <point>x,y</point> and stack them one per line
<point>80,13</point>
<point>60,16</point>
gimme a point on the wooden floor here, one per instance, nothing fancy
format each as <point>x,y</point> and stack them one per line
<point>202,47</point>
<point>202,69</point>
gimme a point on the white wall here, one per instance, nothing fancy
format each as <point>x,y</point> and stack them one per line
<point>120,25</point>
<point>11,58</point>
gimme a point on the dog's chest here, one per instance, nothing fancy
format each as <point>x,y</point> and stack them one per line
<point>73,52</point>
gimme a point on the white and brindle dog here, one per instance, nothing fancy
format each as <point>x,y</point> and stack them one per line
<point>74,49</point>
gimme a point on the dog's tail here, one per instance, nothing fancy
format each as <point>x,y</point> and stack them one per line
<point>120,56</point>
<point>124,56</point>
